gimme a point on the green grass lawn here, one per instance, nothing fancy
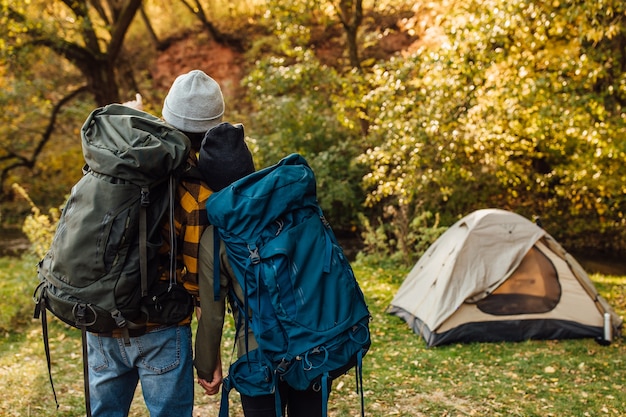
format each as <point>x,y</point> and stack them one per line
<point>401,376</point>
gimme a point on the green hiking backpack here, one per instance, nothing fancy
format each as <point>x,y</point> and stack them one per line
<point>102,271</point>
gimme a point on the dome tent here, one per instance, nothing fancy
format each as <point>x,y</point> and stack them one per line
<point>496,276</point>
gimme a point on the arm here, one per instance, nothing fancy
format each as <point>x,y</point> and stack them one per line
<point>210,323</point>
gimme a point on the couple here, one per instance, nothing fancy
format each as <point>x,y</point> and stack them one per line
<point>161,357</point>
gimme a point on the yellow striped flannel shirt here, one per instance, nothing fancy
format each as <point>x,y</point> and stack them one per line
<point>190,221</point>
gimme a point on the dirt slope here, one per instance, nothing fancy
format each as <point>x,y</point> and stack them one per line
<point>193,52</point>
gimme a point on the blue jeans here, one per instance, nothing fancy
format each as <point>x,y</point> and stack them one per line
<point>162,360</point>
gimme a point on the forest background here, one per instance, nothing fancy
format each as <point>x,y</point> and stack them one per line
<point>412,114</point>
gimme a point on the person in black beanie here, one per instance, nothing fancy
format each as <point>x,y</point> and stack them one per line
<point>224,158</point>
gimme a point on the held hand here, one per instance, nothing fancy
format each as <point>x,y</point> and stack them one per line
<point>212,387</point>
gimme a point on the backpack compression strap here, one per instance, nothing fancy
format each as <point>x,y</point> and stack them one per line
<point>122,323</point>
<point>40,309</point>
<point>226,387</point>
<point>143,233</point>
<point>143,245</point>
<point>83,332</point>
<point>359,380</point>
<point>254,257</point>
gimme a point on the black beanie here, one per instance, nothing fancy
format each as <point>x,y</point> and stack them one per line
<point>224,156</point>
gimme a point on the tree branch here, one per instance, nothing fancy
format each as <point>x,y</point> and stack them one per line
<point>21,161</point>
<point>81,11</point>
<point>120,28</point>
<point>96,4</point>
<point>74,53</point>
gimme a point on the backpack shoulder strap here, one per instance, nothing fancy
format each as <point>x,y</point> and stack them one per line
<point>191,172</point>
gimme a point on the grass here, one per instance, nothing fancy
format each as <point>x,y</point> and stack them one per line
<point>401,376</point>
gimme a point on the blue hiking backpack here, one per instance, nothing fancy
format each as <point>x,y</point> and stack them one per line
<point>309,316</point>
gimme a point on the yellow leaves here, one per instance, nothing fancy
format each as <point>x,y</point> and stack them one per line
<point>549,370</point>
<point>612,30</point>
<point>594,34</point>
<point>39,228</point>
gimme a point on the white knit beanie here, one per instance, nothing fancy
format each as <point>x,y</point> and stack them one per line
<point>194,103</point>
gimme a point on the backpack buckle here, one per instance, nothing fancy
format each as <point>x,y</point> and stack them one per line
<point>145,196</point>
<point>281,224</point>
<point>255,258</point>
<point>282,367</point>
<point>119,319</point>
<point>79,311</point>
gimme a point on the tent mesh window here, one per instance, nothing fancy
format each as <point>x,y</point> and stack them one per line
<point>533,288</point>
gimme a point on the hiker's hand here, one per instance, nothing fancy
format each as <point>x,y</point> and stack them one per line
<point>211,387</point>
<point>135,104</point>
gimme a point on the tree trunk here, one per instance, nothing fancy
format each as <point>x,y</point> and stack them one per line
<point>351,16</point>
<point>104,86</point>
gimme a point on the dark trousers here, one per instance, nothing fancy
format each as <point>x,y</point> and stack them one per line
<point>296,403</point>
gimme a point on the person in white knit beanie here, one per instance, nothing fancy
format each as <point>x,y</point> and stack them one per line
<point>160,356</point>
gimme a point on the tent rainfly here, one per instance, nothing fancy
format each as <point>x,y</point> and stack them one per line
<point>496,276</point>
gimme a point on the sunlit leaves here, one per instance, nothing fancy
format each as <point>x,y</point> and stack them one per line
<point>294,98</point>
<point>514,109</point>
<point>38,227</point>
